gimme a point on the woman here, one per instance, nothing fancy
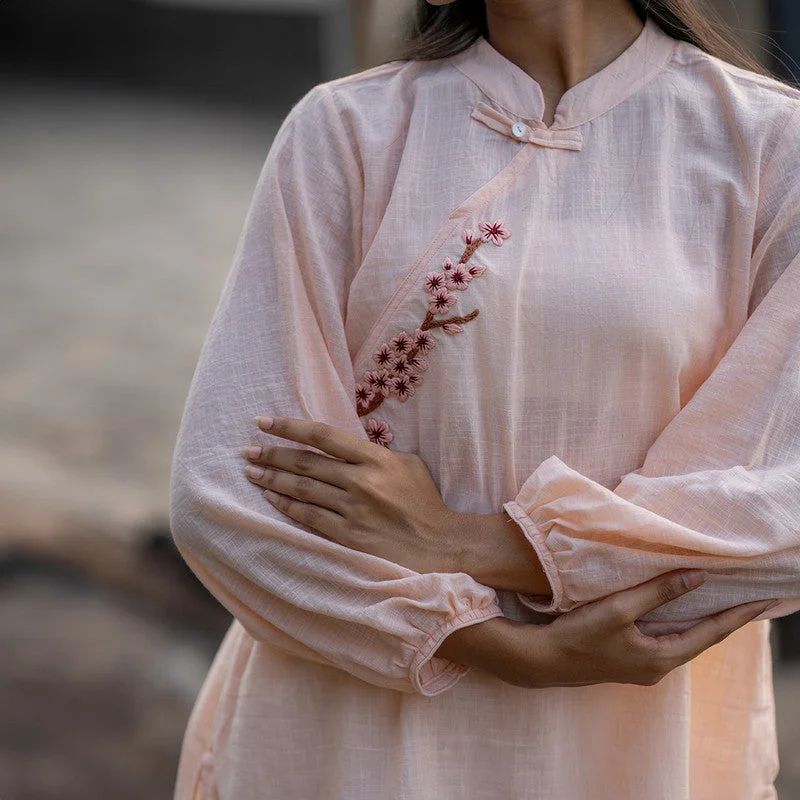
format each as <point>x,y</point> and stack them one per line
<point>523,307</point>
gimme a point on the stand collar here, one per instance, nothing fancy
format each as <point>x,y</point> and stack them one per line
<point>519,93</point>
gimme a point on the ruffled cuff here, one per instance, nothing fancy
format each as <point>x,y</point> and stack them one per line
<point>537,541</point>
<point>552,493</point>
<point>431,675</point>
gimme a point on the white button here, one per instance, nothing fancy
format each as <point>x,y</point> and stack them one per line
<point>519,130</point>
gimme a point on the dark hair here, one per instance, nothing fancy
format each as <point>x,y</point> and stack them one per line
<point>441,31</point>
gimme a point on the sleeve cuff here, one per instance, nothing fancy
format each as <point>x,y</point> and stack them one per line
<point>537,541</point>
<point>431,675</point>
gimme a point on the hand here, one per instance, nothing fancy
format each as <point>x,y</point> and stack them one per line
<point>360,494</point>
<point>598,642</point>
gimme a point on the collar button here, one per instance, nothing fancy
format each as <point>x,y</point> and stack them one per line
<point>519,131</point>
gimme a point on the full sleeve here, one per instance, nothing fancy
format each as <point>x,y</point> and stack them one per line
<point>277,345</point>
<point>719,489</point>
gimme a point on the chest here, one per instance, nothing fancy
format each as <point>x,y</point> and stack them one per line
<point>650,260</point>
<point>552,284</point>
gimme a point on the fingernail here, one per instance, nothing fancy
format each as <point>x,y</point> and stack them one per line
<point>254,472</point>
<point>773,605</point>
<point>253,453</point>
<point>265,422</point>
<point>693,578</point>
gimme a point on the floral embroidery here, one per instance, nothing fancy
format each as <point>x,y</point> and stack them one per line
<point>364,394</point>
<point>494,232</point>
<point>401,343</point>
<point>401,366</point>
<point>440,301</point>
<point>402,387</point>
<point>378,381</point>
<point>458,278</point>
<point>379,432</point>
<point>400,363</point>
<point>384,356</point>
<point>434,281</point>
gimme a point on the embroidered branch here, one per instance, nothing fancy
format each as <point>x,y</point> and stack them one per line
<point>399,361</point>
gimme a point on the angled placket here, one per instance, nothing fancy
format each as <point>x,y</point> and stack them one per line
<point>533,133</point>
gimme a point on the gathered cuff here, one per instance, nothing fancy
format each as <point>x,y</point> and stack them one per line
<point>431,675</point>
<point>537,541</point>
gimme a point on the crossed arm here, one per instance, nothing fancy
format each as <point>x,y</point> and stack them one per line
<point>385,503</point>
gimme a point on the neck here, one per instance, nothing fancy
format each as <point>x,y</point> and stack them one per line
<point>561,42</point>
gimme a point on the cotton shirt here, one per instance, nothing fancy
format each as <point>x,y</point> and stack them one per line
<point>594,325</point>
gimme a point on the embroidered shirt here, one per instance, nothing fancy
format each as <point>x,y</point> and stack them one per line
<point>616,362</point>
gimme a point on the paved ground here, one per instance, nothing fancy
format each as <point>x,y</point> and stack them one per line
<point>118,220</point>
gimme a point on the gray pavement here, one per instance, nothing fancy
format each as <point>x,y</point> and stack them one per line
<point>119,216</point>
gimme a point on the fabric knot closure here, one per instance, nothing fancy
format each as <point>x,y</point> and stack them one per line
<point>535,132</point>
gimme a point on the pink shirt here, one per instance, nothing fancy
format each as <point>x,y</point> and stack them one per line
<point>595,325</point>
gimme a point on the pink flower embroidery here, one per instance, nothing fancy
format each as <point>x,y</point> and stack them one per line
<point>378,432</point>
<point>378,381</point>
<point>383,356</point>
<point>401,343</point>
<point>441,301</point>
<point>400,362</point>
<point>458,278</point>
<point>494,232</point>
<point>363,394</point>
<point>424,341</point>
<point>400,366</point>
<point>417,363</point>
<point>434,281</point>
<point>403,387</point>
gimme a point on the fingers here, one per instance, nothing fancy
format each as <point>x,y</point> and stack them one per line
<point>630,604</point>
<point>326,522</point>
<point>331,440</point>
<point>301,462</point>
<point>691,643</point>
<point>299,487</point>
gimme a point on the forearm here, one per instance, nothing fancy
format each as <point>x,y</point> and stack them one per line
<point>497,554</point>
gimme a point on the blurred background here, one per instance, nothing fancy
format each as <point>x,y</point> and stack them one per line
<point>132,133</point>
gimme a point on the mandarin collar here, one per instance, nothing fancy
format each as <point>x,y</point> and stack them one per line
<point>520,94</point>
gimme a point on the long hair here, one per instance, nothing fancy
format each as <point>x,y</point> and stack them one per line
<point>441,31</point>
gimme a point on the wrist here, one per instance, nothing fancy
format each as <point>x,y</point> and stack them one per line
<point>515,652</point>
<point>495,552</point>
<point>474,644</point>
